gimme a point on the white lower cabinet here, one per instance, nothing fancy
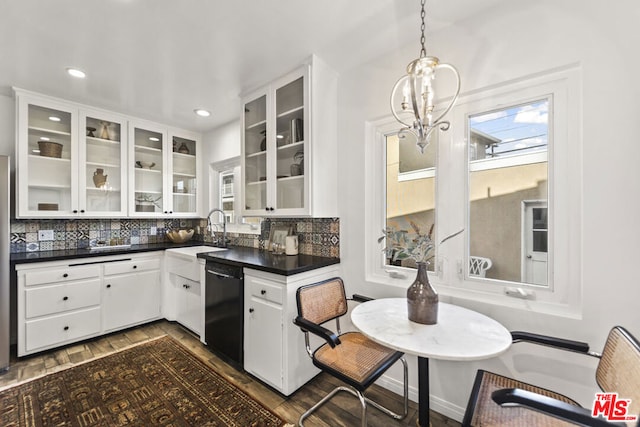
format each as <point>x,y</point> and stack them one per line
<point>131,299</point>
<point>274,348</point>
<point>61,302</point>
<point>182,299</point>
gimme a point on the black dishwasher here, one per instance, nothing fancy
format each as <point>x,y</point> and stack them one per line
<point>224,301</point>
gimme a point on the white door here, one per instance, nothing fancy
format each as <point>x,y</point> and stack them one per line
<point>535,242</point>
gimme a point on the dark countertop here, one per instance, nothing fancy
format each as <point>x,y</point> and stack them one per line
<point>285,265</point>
<point>42,256</point>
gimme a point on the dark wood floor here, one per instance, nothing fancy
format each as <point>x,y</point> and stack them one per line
<point>342,410</point>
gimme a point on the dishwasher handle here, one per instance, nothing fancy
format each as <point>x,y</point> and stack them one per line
<point>216,273</point>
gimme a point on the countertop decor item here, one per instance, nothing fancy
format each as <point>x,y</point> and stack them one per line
<point>297,168</point>
<point>50,149</point>
<point>278,234</point>
<point>422,298</point>
<point>183,149</point>
<point>145,165</point>
<point>99,178</point>
<point>90,132</point>
<point>47,206</point>
<point>263,141</point>
<point>104,133</point>
<point>180,235</point>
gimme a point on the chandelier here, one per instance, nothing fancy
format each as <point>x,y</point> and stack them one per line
<point>418,95</point>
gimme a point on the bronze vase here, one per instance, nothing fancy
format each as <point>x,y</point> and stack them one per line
<point>422,299</point>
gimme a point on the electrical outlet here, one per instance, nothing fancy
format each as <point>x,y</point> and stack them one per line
<point>153,231</point>
<point>45,235</point>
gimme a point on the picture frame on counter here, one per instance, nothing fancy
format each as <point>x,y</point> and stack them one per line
<point>278,235</point>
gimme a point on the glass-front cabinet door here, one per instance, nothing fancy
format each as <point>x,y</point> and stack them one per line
<point>184,174</point>
<point>290,145</point>
<point>275,142</point>
<point>254,155</point>
<point>146,180</point>
<point>47,134</point>
<point>103,176</point>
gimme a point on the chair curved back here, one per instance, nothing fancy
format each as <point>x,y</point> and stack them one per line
<point>619,367</point>
<point>478,266</point>
<point>323,301</point>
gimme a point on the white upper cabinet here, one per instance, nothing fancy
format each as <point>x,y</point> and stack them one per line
<point>76,161</point>
<point>184,160</point>
<point>147,158</point>
<point>289,145</point>
<point>102,164</point>
<point>165,169</point>
<point>71,161</point>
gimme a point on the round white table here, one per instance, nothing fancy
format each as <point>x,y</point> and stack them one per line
<point>460,334</point>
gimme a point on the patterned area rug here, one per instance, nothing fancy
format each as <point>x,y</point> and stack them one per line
<point>158,383</point>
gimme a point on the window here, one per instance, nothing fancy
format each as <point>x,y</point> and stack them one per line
<point>409,172</point>
<point>507,169</point>
<point>508,173</point>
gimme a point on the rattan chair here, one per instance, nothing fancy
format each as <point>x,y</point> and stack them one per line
<point>351,357</point>
<point>501,401</point>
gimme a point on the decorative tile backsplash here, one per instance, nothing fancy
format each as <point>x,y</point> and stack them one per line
<point>316,236</point>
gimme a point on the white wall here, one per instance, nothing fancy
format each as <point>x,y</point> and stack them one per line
<point>221,146</point>
<point>516,40</point>
<point>7,127</point>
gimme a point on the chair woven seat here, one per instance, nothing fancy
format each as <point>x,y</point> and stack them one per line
<point>357,360</point>
<point>350,357</point>
<point>488,413</point>
<point>497,400</point>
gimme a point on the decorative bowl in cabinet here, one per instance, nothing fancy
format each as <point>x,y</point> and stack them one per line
<point>180,236</point>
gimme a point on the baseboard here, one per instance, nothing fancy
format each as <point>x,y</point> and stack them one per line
<point>438,404</point>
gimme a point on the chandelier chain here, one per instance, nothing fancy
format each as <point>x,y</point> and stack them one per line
<point>423,50</point>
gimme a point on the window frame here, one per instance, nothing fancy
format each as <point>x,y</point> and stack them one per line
<point>563,295</point>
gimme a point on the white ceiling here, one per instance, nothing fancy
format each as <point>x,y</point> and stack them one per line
<point>161,59</point>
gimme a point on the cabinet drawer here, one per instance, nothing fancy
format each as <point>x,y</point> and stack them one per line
<point>265,290</point>
<point>184,268</point>
<point>61,329</point>
<point>58,298</point>
<point>59,275</point>
<point>131,266</point>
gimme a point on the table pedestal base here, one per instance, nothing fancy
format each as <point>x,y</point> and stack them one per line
<point>423,392</point>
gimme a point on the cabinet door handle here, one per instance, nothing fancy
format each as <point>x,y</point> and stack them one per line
<point>135,266</point>
<point>75,211</point>
<point>66,328</point>
<point>108,286</point>
<point>81,210</point>
<point>251,310</point>
<point>65,275</point>
<point>263,292</point>
<point>65,298</point>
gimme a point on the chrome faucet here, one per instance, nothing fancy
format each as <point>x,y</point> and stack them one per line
<point>224,226</point>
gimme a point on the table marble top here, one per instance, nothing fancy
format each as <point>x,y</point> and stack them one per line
<point>460,334</point>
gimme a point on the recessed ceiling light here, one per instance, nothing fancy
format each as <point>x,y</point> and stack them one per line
<point>76,73</point>
<point>153,138</point>
<point>44,138</point>
<point>54,118</point>
<point>201,112</point>
<point>279,136</point>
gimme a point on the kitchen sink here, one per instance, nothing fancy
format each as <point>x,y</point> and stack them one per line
<point>192,251</point>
